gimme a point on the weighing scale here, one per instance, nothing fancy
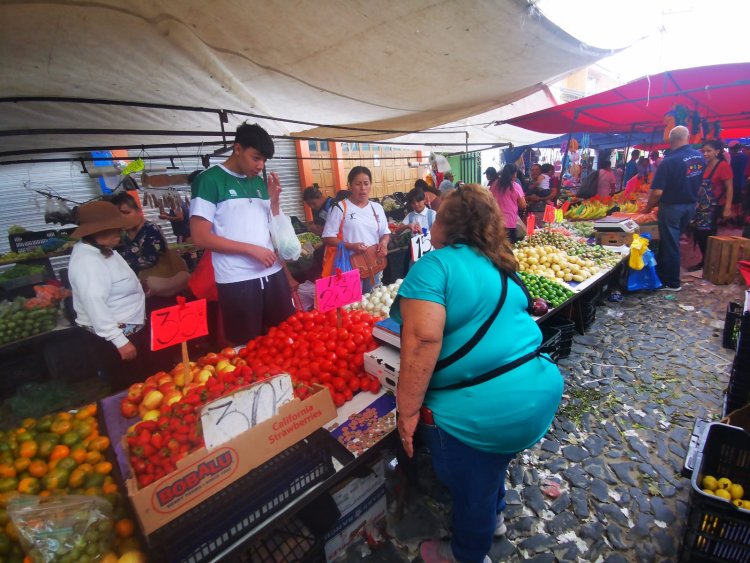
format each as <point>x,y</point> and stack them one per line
<point>616,225</point>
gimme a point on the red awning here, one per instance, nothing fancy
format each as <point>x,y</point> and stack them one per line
<point>719,93</point>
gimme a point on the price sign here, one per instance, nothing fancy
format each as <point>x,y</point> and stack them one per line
<point>338,290</point>
<point>228,417</point>
<point>530,224</point>
<point>558,215</point>
<point>180,323</point>
<point>421,245</point>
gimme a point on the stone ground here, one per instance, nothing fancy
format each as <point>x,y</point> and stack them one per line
<point>635,383</point>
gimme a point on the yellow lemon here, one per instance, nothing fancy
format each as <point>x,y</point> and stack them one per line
<point>723,493</point>
<point>738,503</point>
<point>724,483</point>
<point>708,491</point>
<point>710,483</point>
<point>736,491</point>
<point>746,504</point>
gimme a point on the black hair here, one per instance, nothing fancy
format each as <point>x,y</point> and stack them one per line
<point>421,185</point>
<point>193,175</point>
<point>635,154</point>
<point>414,195</point>
<point>311,193</point>
<point>735,147</point>
<point>506,176</point>
<point>341,195</point>
<point>717,146</point>
<point>90,239</point>
<point>605,164</point>
<point>548,168</point>
<point>253,135</point>
<point>356,171</point>
<point>124,198</point>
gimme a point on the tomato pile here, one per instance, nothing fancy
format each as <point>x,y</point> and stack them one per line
<point>308,346</point>
<point>57,454</point>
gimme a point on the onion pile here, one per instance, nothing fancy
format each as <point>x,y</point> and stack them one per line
<point>378,301</point>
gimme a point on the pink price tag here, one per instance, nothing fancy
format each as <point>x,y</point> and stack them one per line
<point>338,290</point>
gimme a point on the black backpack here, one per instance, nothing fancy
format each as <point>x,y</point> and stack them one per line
<point>588,186</point>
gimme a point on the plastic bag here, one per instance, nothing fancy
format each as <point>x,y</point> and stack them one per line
<point>59,527</point>
<point>284,237</point>
<point>342,260</point>
<point>637,248</point>
<point>57,211</point>
<point>645,278</point>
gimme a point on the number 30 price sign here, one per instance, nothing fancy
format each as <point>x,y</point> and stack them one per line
<point>177,324</point>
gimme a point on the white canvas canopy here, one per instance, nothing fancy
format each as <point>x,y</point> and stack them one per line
<point>386,65</point>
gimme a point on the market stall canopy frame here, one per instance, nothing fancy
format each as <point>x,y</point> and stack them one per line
<point>718,93</point>
<point>393,67</point>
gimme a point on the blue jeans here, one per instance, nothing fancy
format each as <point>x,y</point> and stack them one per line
<point>476,481</point>
<point>367,285</point>
<point>673,221</point>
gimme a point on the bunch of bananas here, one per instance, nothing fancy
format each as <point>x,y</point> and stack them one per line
<point>587,210</point>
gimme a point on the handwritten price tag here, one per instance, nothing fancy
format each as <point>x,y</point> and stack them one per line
<point>530,224</point>
<point>173,325</point>
<point>228,417</point>
<point>338,290</point>
<point>420,245</point>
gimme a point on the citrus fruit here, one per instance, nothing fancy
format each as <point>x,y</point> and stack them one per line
<point>723,494</point>
<point>710,483</point>
<point>708,491</point>
<point>724,483</point>
<point>736,491</point>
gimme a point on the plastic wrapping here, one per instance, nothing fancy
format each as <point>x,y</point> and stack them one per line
<point>284,237</point>
<point>63,528</point>
<point>637,248</point>
<point>57,211</point>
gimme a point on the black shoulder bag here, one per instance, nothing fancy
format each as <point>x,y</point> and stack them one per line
<point>474,340</point>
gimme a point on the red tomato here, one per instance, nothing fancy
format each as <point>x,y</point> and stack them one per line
<point>353,384</point>
<point>339,384</point>
<point>338,399</point>
<point>348,394</point>
<point>375,386</point>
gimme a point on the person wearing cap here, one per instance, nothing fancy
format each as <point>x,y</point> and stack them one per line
<point>107,297</point>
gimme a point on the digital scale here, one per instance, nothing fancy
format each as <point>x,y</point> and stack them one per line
<point>615,225</point>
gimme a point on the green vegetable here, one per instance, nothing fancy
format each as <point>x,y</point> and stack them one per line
<point>313,239</point>
<point>20,271</point>
<point>540,287</point>
<point>16,230</point>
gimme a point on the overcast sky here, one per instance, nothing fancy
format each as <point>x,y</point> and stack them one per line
<point>663,34</point>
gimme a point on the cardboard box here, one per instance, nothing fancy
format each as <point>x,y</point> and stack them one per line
<point>360,501</point>
<point>613,238</point>
<point>203,473</point>
<point>384,363</point>
<point>650,228</point>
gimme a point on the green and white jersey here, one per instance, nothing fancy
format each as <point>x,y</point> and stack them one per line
<point>239,210</point>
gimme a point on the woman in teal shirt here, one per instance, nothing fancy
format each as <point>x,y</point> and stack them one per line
<point>471,375</point>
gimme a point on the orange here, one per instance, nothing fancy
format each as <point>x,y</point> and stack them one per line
<point>77,478</point>
<point>62,426</point>
<point>109,488</point>
<point>59,451</point>
<point>64,415</point>
<point>124,528</point>
<point>79,454</point>
<point>94,457</point>
<point>28,422</point>
<point>7,470</point>
<point>87,411</point>
<point>38,468</point>
<point>45,493</point>
<point>28,449</point>
<point>99,444</point>
<point>29,486</point>
<point>103,468</point>
<point>109,558</point>
<point>22,464</point>
<point>11,531</point>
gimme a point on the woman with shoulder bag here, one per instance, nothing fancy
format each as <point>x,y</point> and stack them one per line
<point>362,227</point>
<point>714,195</point>
<point>472,379</point>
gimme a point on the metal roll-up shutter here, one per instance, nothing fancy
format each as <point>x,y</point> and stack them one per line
<point>284,163</point>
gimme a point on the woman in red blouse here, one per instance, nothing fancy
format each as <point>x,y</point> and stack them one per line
<point>719,173</point>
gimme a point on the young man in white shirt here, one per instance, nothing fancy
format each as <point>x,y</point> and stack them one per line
<point>230,214</point>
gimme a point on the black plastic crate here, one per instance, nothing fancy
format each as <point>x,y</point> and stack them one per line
<point>550,342</point>
<point>567,329</point>
<point>732,322</point>
<point>738,393</point>
<point>717,530</point>
<point>291,543</point>
<point>224,518</point>
<point>588,314</point>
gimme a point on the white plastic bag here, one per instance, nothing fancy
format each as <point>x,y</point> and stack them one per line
<point>284,238</point>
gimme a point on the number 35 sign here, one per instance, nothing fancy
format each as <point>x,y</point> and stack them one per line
<point>174,325</point>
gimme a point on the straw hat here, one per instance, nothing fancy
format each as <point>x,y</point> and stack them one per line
<point>98,216</point>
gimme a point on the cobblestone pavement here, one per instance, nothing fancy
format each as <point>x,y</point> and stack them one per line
<point>635,383</point>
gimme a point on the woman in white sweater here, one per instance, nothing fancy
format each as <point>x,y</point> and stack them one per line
<point>107,297</point>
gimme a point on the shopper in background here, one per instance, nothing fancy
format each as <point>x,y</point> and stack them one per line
<point>447,184</point>
<point>420,217</point>
<point>655,162</point>
<point>739,163</point>
<point>606,183</point>
<point>510,199</point>
<point>631,168</point>
<point>432,194</point>
<point>644,168</point>
<point>107,297</point>
<point>675,190</point>
<point>178,216</point>
<point>492,176</point>
<point>477,395</point>
<point>231,214</point>
<point>143,243</point>
<point>320,207</point>
<point>358,222</point>
<point>717,181</point>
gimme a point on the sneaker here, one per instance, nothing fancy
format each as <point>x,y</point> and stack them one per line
<point>670,288</point>
<point>500,527</point>
<point>436,551</point>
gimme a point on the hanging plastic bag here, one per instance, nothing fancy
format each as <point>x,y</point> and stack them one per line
<point>54,528</point>
<point>637,249</point>
<point>284,238</point>
<point>342,260</point>
<point>57,211</point>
